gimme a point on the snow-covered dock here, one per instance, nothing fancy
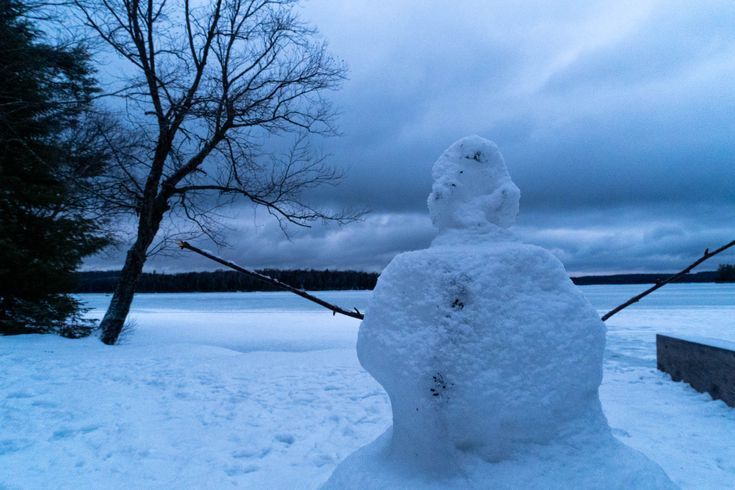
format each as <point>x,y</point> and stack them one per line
<point>706,364</point>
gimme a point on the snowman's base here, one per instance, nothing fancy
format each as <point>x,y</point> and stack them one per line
<point>596,461</point>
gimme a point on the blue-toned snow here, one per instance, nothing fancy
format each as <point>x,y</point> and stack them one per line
<point>263,390</point>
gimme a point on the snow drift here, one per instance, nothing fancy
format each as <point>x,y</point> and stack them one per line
<point>490,355</point>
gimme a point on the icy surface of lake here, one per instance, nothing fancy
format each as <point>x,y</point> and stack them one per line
<point>282,321</point>
<point>263,390</point>
<point>603,297</point>
<point>231,302</point>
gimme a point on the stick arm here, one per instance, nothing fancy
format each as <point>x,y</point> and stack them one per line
<point>333,308</point>
<point>706,255</point>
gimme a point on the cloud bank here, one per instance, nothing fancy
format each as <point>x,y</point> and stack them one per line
<point>615,119</point>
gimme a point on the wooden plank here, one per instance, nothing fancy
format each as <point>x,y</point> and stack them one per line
<point>707,365</point>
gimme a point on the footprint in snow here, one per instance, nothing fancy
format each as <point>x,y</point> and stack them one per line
<point>286,439</point>
<point>241,470</point>
<point>20,395</point>
<point>8,446</point>
<point>44,404</point>
<point>66,432</point>
<point>322,459</point>
<point>620,432</point>
<point>251,453</point>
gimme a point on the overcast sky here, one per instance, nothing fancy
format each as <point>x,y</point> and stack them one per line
<point>616,120</point>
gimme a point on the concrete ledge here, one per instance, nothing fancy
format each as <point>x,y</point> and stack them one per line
<point>706,364</point>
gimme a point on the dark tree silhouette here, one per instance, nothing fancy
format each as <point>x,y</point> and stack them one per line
<point>225,280</point>
<point>48,158</point>
<point>726,273</point>
<point>209,79</point>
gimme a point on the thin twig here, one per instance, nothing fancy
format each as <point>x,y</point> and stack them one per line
<point>333,308</point>
<point>707,254</point>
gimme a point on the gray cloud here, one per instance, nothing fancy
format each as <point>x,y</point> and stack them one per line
<point>605,239</point>
<point>615,118</point>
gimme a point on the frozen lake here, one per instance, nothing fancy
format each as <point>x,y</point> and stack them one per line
<point>264,390</point>
<point>282,321</point>
<point>605,297</point>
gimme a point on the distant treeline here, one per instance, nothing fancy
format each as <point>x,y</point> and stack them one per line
<point>724,273</point>
<point>221,280</point>
<point>324,280</point>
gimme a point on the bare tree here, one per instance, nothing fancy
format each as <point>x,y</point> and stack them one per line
<point>209,80</point>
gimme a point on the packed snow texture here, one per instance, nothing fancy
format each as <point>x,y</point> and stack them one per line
<point>472,187</point>
<point>264,391</point>
<point>491,357</point>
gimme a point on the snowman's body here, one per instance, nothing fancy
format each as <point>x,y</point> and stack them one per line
<point>490,355</point>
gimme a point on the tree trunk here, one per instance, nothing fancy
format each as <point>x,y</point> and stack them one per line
<point>114,319</point>
<point>122,298</point>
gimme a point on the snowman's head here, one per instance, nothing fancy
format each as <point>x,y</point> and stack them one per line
<point>472,187</point>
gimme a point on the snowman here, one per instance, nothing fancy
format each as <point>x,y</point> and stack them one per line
<point>491,357</point>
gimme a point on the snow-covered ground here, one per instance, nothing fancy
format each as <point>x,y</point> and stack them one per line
<point>263,390</point>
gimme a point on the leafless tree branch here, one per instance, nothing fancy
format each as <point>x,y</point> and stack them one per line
<point>216,77</point>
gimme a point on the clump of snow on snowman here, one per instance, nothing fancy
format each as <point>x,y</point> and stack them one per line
<point>491,357</point>
<point>472,188</point>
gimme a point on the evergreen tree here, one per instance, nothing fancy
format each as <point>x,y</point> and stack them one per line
<point>45,168</point>
<point>726,273</point>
